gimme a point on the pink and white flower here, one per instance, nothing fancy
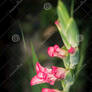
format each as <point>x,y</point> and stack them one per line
<point>45,75</point>
<point>56,51</point>
<point>49,90</point>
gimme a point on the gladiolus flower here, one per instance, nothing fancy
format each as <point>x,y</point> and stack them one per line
<point>45,75</point>
<point>49,90</point>
<point>56,51</point>
<point>71,50</point>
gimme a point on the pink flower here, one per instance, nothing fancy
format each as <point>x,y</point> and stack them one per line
<point>49,90</point>
<point>58,25</point>
<point>56,51</point>
<point>57,22</point>
<point>71,50</point>
<point>45,75</point>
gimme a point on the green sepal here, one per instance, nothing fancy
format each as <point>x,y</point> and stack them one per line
<point>69,30</point>
<point>74,59</point>
<point>68,81</point>
<point>66,61</point>
<point>72,34</point>
<point>62,14</point>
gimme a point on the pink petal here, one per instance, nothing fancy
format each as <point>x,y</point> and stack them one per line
<point>71,50</point>
<point>56,46</point>
<point>39,67</point>
<point>56,22</point>
<point>51,51</point>
<point>41,75</point>
<point>51,79</point>
<point>49,90</point>
<point>59,73</point>
<point>35,80</point>
<point>46,70</point>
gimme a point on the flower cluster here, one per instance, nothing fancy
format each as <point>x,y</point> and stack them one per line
<point>46,75</point>
<point>68,30</point>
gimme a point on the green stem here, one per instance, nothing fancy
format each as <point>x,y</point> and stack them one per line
<point>72,8</point>
<point>66,89</point>
<point>82,52</point>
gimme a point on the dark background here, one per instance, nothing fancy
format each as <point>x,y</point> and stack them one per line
<point>11,52</point>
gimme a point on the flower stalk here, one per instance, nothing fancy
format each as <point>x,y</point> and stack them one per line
<point>69,53</point>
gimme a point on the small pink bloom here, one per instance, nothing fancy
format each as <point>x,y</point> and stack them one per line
<point>71,50</point>
<point>56,22</point>
<point>58,25</point>
<point>45,75</point>
<point>56,51</point>
<point>49,90</point>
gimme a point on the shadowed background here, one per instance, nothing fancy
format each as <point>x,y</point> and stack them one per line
<point>33,21</point>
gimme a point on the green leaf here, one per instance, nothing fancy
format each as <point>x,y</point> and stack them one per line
<point>34,56</point>
<point>62,13</point>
